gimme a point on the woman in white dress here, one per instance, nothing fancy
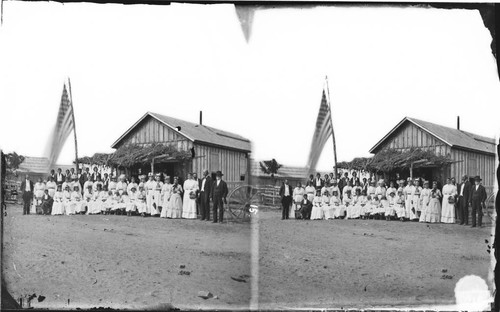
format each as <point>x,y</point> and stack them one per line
<point>448,208</point>
<point>310,191</point>
<point>189,202</point>
<point>341,206</point>
<point>51,186</point>
<point>157,198</point>
<point>141,203</point>
<point>425,197</point>
<point>166,193</point>
<point>76,201</point>
<point>132,200</point>
<point>328,209</point>
<point>353,209</point>
<point>38,190</point>
<point>298,196</point>
<point>58,206</point>
<point>150,187</point>
<point>68,208</point>
<point>174,210</point>
<point>317,210</point>
<point>433,213</point>
<point>411,213</point>
<point>416,199</point>
<point>389,211</point>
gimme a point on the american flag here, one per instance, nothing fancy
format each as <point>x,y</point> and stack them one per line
<point>64,125</point>
<point>323,130</point>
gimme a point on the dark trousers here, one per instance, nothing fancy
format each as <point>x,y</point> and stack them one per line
<point>477,208</point>
<point>218,209</point>
<point>286,201</point>
<point>306,212</point>
<point>204,206</point>
<point>463,210</point>
<point>27,197</point>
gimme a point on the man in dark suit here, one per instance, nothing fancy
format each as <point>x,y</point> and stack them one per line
<point>219,193</point>
<point>60,177</point>
<point>354,178</point>
<point>205,186</point>
<point>318,182</point>
<point>477,199</point>
<point>286,199</point>
<point>463,194</point>
<point>27,189</point>
<point>306,207</point>
<point>95,174</point>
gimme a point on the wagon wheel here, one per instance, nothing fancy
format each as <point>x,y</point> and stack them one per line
<point>490,208</point>
<point>239,201</point>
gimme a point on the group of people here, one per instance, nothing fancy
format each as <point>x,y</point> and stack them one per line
<point>411,200</point>
<point>88,193</point>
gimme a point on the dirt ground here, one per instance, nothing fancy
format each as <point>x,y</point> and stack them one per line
<point>134,262</point>
<point>365,263</point>
<point>125,262</point>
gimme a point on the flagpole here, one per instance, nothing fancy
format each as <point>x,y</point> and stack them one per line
<point>74,124</point>
<point>331,124</point>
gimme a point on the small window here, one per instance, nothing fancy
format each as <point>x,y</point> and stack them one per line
<point>242,177</point>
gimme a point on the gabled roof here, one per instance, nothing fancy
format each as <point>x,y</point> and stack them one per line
<point>450,136</point>
<point>196,133</point>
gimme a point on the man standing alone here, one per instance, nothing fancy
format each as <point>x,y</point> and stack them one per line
<point>219,194</point>
<point>205,190</point>
<point>477,199</point>
<point>464,190</point>
<point>286,199</point>
<point>27,189</point>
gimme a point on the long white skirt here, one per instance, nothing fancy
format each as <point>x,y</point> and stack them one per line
<point>409,213</point>
<point>57,208</point>
<point>174,208</point>
<point>329,212</point>
<point>353,212</point>
<point>339,211</point>
<point>165,205</point>
<point>389,211</point>
<point>149,203</point>
<point>94,206</point>
<point>69,208</point>
<point>157,200</point>
<point>130,206</point>
<point>189,207</point>
<point>317,213</point>
<point>400,211</point>
<point>447,212</point>
<point>141,206</point>
<point>76,206</point>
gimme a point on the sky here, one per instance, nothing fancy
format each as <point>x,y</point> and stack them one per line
<point>382,63</point>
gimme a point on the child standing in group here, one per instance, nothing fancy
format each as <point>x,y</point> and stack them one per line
<point>132,201</point>
<point>109,204</point>
<point>317,210</point>
<point>400,205</point>
<point>87,198</point>
<point>67,201</point>
<point>141,200</point>
<point>76,201</point>
<point>58,205</point>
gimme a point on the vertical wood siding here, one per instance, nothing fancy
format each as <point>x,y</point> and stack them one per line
<point>232,163</point>
<point>469,163</point>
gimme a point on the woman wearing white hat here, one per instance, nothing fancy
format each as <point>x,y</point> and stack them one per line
<point>166,193</point>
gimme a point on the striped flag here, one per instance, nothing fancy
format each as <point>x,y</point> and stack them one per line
<point>64,125</point>
<point>322,132</point>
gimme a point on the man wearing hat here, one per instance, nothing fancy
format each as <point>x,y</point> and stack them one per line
<point>205,186</point>
<point>286,199</point>
<point>219,194</point>
<point>463,191</point>
<point>477,201</point>
<point>27,189</point>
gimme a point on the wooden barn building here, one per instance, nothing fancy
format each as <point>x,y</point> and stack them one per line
<point>471,154</point>
<point>208,148</point>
